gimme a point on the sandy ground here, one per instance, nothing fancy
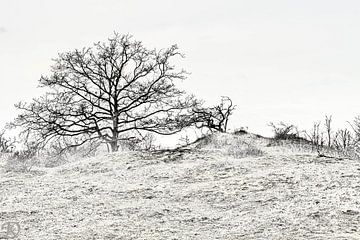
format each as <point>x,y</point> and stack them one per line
<point>195,194</point>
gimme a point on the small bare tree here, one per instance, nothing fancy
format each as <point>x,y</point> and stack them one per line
<point>328,122</point>
<point>356,128</point>
<point>316,136</point>
<point>343,139</point>
<point>6,144</point>
<point>214,118</point>
<point>355,125</point>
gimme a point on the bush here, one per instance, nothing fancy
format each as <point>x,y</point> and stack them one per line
<point>22,160</point>
<point>240,131</point>
<point>19,162</point>
<point>284,131</point>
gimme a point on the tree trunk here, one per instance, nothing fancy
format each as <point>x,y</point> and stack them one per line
<point>114,145</point>
<point>115,137</point>
<point>115,133</point>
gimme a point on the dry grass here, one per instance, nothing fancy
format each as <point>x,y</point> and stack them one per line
<point>237,146</point>
<point>193,194</point>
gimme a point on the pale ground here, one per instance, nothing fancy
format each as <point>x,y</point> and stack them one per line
<point>201,193</point>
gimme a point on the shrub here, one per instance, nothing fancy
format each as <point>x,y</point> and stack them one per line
<point>283,131</point>
<point>23,160</point>
<point>19,162</point>
<point>240,131</point>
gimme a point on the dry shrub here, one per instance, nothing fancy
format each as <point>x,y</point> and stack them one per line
<point>21,161</point>
<point>240,131</point>
<point>283,131</point>
<point>142,142</point>
<point>244,150</point>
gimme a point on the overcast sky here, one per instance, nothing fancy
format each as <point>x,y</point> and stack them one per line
<point>291,61</point>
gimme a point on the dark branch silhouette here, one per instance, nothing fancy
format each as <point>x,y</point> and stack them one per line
<point>214,118</point>
<point>104,91</point>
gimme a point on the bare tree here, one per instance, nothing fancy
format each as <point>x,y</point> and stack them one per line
<point>316,136</point>
<point>356,128</point>
<point>214,118</point>
<point>328,121</point>
<point>105,91</point>
<point>6,144</point>
<point>343,139</point>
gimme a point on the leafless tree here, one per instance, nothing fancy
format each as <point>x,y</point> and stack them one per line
<point>343,139</point>
<point>328,122</point>
<point>6,144</point>
<point>214,118</point>
<point>316,136</point>
<point>105,91</point>
<point>355,125</point>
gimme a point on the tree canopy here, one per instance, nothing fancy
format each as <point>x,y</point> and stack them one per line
<point>109,92</point>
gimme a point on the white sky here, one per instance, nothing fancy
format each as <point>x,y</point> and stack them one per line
<point>293,61</point>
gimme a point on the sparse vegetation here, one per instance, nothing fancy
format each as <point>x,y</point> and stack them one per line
<point>230,144</point>
<point>321,138</point>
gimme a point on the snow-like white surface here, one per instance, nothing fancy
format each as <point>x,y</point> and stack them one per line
<point>202,193</point>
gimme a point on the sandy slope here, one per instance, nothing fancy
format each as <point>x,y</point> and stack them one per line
<point>196,194</point>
